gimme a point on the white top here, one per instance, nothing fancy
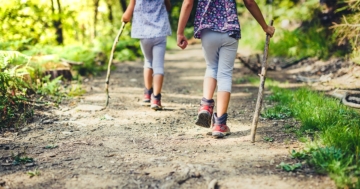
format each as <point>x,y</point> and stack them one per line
<point>150,19</point>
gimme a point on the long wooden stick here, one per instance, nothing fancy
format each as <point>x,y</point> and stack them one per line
<point>261,87</point>
<point>109,64</point>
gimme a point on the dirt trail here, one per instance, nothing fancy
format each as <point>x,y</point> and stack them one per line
<point>131,146</point>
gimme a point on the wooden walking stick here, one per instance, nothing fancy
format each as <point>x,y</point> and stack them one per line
<point>109,64</point>
<point>261,87</point>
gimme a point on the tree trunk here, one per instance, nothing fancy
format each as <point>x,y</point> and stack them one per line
<point>110,16</point>
<point>96,5</point>
<point>123,5</point>
<point>57,22</point>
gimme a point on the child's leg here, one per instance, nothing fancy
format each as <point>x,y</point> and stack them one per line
<point>211,42</point>
<point>158,52</point>
<point>227,55</point>
<point>148,78</point>
<point>209,86</point>
<point>147,47</point>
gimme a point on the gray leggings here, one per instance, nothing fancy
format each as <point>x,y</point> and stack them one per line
<point>220,53</point>
<point>154,53</point>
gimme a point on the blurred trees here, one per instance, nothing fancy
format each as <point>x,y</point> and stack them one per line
<point>93,22</point>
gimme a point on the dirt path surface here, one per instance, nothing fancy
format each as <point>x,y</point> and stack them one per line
<point>128,145</point>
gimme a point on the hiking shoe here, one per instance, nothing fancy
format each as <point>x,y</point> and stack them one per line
<point>147,95</point>
<point>205,112</point>
<point>156,102</point>
<point>219,128</point>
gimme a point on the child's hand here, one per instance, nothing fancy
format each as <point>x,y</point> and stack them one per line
<point>270,30</point>
<point>126,17</point>
<point>182,41</point>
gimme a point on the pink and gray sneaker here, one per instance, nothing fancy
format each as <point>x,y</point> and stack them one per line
<point>156,102</point>
<point>147,95</point>
<point>205,112</point>
<point>219,128</point>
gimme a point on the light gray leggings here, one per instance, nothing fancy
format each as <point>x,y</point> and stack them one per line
<point>154,53</point>
<point>220,53</point>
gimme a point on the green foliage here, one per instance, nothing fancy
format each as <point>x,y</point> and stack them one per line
<point>33,23</point>
<point>334,126</point>
<point>17,88</point>
<point>13,100</point>
<point>278,112</point>
<point>75,90</point>
<point>298,33</point>
<point>268,139</point>
<point>256,81</point>
<point>18,159</point>
<point>127,47</point>
<point>50,87</point>
<point>298,155</point>
<point>301,43</point>
<point>349,29</point>
<point>289,167</point>
<point>175,14</point>
<point>36,172</point>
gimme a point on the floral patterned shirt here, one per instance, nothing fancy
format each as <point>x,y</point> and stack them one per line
<point>150,19</point>
<point>217,15</point>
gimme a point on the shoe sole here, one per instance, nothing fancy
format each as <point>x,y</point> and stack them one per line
<point>156,107</point>
<point>218,134</point>
<point>146,101</point>
<point>203,120</point>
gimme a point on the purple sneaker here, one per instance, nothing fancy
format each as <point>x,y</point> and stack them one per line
<point>156,102</point>
<point>147,95</point>
<point>205,113</point>
<point>219,127</point>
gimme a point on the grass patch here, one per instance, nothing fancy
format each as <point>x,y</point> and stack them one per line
<point>335,130</point>
<point>256,81</point>
<point>36,172</point>
<point>289,167</point>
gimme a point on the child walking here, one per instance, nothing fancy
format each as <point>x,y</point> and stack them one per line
<point>217,25</point>
<point>150,24</point>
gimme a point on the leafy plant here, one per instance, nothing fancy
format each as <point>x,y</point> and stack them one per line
<point>18,159</point>
<point>50,87</point>
<point>268,139</point>
<point>289,167</point>
<point>75,90</point>
<point>298,155</point>
<point>36,172</point>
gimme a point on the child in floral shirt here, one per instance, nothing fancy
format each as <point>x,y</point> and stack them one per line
<point>217,25</point>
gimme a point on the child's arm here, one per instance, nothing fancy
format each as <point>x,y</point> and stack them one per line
<point>252,6</point>
<point>168,5</point>
<point>184,17</point>
<point>129,11</point>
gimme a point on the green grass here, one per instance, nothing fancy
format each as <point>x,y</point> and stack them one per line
<point>334,128</point>
<point>256,81</point>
